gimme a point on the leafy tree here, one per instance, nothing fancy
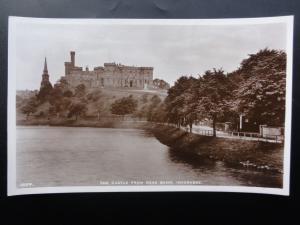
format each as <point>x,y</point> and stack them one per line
<point>19,101</point>
<point>62,83</point>
<point>94,96</point>
<point>155,100</point>
<point>161,84</point>
<point>68,93</point>
<point>56,94</point>
<point>80,90</point>
<point>177,106</point>
<point>158,113</point>
<point>142,112</point>
<point>152,108</point>
<point>65,103</point>
<point>261,96</point>
<point>45,92</point>
<point>30,107</point>
<point>144,98</point>
<point>77,109</point>
<point>213,95</point>
<point>124,106</point>
<point>100,109</point>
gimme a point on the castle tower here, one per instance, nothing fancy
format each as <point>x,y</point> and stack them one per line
<point>69,66</point>
<point>72,58</point>
<point>45,76</point>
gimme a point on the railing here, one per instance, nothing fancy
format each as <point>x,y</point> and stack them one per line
<point>257,136</point>
<point>236,134</point>
<point>205,132</point>
<point>244,134</point>
<point>198,131</point>
<point>276,138</point>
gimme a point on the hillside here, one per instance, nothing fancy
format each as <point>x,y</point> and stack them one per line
<point>97,104</point>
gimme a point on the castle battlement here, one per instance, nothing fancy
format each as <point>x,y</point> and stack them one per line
<point>108,75</point>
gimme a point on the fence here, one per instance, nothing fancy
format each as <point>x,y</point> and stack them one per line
<point>256,136</point>
<point>241,135</point>
<point>236,134</point>
<point>205,132</point>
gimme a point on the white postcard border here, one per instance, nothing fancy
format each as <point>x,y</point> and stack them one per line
<point>12,188</point>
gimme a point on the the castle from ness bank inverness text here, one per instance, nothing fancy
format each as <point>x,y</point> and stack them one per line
<point>109,75</point>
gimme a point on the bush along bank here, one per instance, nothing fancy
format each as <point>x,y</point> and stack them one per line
<point>256,155</point>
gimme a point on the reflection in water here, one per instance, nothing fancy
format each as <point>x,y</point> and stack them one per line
<point>71,156</point>
<point>248,177</point>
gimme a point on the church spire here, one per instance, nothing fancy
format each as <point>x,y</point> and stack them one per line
<point>45,66</point>
<point>45,77</point>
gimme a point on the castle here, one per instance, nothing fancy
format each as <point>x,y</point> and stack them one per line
<point>110,75</point>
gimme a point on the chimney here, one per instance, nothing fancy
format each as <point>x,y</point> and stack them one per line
<point>72,58</point>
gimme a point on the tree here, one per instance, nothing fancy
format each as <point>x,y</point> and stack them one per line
<point>261,96</point>
<point>144,98</point>
<point>124,106</point>
<point>77,109</point>
<point>94,95</point>
<point>68,93</point>
<point>100,109</point>
<point>45,92</point>
<point>62,83</point>
<point>158,113</point>
<point>177,106</point>
<point>29,107</point>
<point>155,100</point>
<point>56,94</point>
<point>213,94</point>
<point>80,90</point>
<point>161,84</point>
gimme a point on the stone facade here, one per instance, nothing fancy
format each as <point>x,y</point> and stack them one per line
<point>110,75</point>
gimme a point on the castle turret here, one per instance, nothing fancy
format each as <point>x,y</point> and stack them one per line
<point>72,58</point>
<point>69,66</point>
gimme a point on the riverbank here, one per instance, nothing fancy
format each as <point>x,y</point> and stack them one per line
<point>103,123</point>
<point>238,153</point>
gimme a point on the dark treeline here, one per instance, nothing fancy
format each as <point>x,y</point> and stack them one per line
<point>256,90</point>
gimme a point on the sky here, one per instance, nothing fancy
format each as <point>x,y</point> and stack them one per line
<point>173,50</point>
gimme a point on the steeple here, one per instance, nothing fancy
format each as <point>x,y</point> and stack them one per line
<point>45,76</point>
<point>45,66</point>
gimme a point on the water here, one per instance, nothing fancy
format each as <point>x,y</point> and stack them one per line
<point>72,156</point>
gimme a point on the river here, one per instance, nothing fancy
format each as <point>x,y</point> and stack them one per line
<point>76,156</point>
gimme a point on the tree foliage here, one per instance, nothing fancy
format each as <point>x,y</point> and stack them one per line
<point>80,90</point>
<point>124,106</point>
<point>256,90</point>
<point>29,107</point>
<point>213,94</point>
<point>45,92</point>
<point>179,102</point>
<point>77,109</point>
<point>261,96</point>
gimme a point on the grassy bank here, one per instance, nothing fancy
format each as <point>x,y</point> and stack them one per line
<point>239,153</point>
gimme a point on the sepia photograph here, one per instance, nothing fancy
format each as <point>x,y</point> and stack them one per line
<point>125,105</point>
